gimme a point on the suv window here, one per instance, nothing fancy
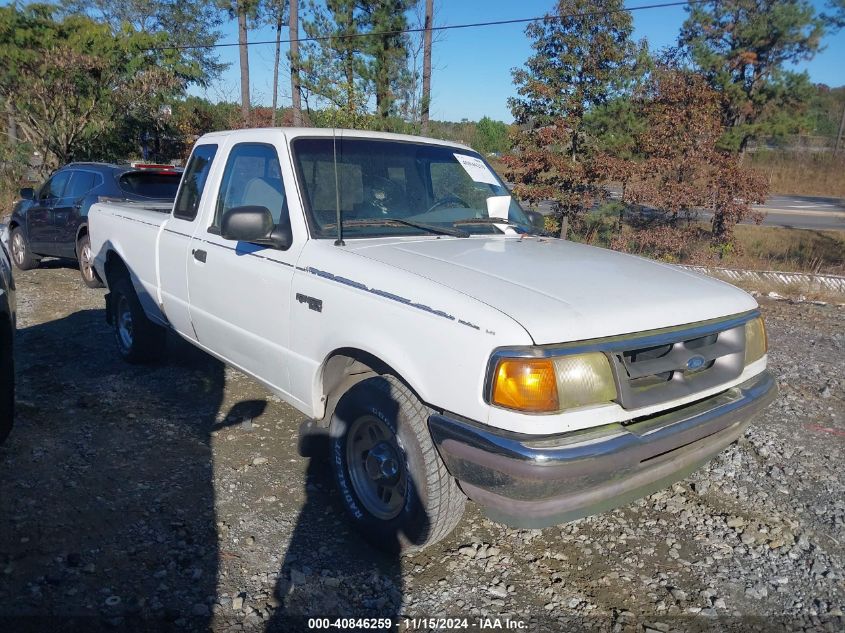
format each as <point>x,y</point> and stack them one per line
<point>252,177</point>
<point>193,182</point>
<point>81,182</point>
<point>55,187</point>
<point>151,184</point>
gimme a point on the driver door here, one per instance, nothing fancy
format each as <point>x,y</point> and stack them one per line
<point>240,292</point>
<point>40,227</point>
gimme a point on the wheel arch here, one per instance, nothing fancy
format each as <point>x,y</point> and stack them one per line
<point>81,231</point>
<point>345,367</point>
<point>115,267</point>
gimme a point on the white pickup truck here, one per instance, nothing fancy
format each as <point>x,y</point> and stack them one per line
<point>390,289</point>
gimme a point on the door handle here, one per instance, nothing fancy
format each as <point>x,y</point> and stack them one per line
<point>199,255</point>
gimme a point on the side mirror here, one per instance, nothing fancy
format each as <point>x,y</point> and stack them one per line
<point>27,193</point>
<point>255,224</point>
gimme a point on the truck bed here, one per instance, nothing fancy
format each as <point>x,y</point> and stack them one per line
<point>131,230</point>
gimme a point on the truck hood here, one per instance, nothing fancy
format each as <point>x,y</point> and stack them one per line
<point>561,291</point>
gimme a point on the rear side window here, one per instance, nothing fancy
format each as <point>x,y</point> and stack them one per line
<point>81,183</point>
<point>193,182</point>
<point>252,177</point>
<point>150,184</point>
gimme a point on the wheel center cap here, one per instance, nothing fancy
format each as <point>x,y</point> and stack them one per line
<point>381,463</point>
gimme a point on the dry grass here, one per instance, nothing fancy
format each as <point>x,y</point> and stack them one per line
<point>775,248</point>
<point>793,291</point>
<point>802,173</point>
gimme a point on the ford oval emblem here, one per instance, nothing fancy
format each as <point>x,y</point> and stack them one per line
<point>696,362</point>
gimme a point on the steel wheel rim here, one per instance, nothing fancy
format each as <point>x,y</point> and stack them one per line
<point>18,248</point>
<point>125,330</point>
<point>376,467</point>
<point>85,262</point>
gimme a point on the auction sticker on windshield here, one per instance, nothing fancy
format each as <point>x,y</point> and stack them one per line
<point>476,169</point>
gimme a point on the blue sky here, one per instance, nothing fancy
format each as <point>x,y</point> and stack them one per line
<point>471,74</point>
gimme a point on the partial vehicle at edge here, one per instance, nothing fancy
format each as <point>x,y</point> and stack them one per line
<point>7,337</point>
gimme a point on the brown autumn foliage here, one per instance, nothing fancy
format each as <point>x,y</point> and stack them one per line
<point>678,169</point>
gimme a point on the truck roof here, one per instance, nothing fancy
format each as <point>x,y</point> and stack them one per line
<point>293,132</point>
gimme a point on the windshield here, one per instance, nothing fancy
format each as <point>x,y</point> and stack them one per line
<point>421,187</point>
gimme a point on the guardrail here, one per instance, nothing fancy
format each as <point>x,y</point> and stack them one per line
<point>833,283</point>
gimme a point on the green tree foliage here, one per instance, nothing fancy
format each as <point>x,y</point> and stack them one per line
<point>834,14</point>
<point>825,110</point>
<point>332,69</point>
<point>743,48</point>
<point>71,82</point>
<point>348,73</point>
<point>388,65</point>
<point>179,22</point>
<point>583,57</point>
<point>491,136</point>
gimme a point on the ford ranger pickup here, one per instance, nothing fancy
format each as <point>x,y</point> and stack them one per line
<point>391,289</point>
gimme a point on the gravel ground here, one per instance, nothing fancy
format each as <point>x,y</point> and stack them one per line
<point>173,498</point>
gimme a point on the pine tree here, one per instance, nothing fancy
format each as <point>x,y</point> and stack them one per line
<point>583,57</point>
<point>744,49</point>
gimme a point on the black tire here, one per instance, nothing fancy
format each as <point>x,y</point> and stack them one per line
<point>7,379</point>
<point>429,505</point>
<point>21,254</point>
<point>86,263</point>
<point>138,339</point>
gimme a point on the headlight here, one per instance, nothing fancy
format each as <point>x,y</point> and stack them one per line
<point>756,341</point>
<point>548,385</point>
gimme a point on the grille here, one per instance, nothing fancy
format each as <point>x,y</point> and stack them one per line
<point>678,367</point>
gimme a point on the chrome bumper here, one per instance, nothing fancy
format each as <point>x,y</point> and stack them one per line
<point>535,481</point>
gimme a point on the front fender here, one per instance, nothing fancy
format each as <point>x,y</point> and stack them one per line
<point>436,339</point>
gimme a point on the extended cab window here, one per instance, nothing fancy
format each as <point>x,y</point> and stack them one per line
<point>252,177</point>
<point>193,182</point>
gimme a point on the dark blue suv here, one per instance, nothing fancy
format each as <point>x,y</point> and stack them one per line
<point>53,220</point>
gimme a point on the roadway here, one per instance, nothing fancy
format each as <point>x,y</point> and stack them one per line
<point>798,212</point>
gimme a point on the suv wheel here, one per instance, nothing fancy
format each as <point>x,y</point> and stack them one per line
<point>21,255</point>
<point>86,263</point>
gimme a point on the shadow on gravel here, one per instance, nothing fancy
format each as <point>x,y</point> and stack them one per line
<point>347,581</point>
<point>106,485</point>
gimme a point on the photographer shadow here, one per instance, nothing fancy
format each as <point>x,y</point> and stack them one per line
<point>107,502</point>
<point>339,565</point>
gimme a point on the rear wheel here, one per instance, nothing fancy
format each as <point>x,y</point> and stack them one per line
<point>392,481</point>
<point>86,263</point>
<point>21,255</point>
<point>139,340</point>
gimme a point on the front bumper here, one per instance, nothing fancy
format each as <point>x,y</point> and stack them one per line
<point>531,481</point>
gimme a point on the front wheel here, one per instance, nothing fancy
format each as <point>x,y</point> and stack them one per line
<point>392,481</point>
<point>86,263</point>
<point>139,340</point>
<point>21,255</point>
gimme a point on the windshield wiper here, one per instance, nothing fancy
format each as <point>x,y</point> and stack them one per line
<point>489,221</point>
<point>439,230</point>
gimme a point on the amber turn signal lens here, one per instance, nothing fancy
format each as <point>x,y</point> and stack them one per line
<point>526,385</point>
